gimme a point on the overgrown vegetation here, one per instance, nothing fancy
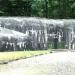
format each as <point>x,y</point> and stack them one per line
<point>6,57</point>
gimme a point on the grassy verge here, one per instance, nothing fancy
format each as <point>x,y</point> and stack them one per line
<point>6,57</point>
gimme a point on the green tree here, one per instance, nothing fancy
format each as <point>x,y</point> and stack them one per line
<point>38,8</point>
<point>5,7</point>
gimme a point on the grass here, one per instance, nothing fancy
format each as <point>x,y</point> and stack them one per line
<point>6,57</point>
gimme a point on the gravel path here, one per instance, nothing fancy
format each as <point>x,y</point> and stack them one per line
<point>61,63</point>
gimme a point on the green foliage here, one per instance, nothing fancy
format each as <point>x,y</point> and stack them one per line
<point>15,7</point>
<point>61,45</point>
<point>39,8</point>
<point>50,45</point>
